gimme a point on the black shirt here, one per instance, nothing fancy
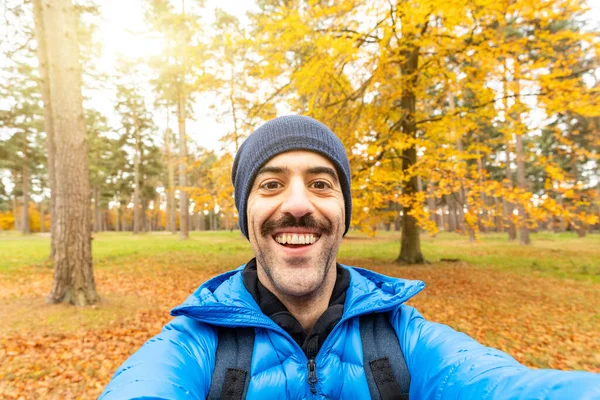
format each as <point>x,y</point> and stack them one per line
<point>274,309</point>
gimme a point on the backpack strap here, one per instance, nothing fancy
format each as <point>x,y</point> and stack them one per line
<point>233,360</point>
<point>387,373</point>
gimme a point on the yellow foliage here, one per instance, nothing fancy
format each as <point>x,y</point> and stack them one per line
<point>7,220</point>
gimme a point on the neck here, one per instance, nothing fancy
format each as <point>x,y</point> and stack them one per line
<point>306,309</point>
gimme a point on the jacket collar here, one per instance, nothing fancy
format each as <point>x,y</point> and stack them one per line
<point>224,300</point>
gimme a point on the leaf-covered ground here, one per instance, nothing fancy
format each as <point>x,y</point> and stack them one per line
<point>540,304</point>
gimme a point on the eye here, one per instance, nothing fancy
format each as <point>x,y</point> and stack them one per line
<point>320,185</point>
<point>271,185</point>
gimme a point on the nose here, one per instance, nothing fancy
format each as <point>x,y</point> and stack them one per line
<point>297,201</point>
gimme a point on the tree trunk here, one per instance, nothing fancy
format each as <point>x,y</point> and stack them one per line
<point>498,215</point>
<point>124,227</point>
<point>521,182</point>
<point>136,172</point>
<point>25,226</point>
<point>183,197</point>
<point>459,196</point>
<point>171,205</point>
<point>97,211</point>
<point>15,212</point>
<point>521,179</point>
<point>117,218</point>
<point>73,274</point>
<point>482,198</point>
<point>508,206</point>
<point>410,242</point>
<point>581,229</point>
<point>42,55</point>
<point>451,202</point>
<point>104,225</point>
<point>144,216</point>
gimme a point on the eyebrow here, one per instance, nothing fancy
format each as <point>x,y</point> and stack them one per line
<point>273,170</point>
<point>324,170</point>
<point>312,171</point>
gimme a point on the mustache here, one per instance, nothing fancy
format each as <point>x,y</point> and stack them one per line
<point>289,221</point>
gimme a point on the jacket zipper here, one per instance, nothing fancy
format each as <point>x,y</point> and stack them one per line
<point>312,375</point>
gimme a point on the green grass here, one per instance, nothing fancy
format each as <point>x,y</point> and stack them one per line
<point>18,251</point>
<point>560,255</point>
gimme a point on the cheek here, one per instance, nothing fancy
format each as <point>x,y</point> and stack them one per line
<point>259,211</point>
<point>333,210</point>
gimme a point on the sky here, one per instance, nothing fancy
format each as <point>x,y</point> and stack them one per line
<point>122,17</point>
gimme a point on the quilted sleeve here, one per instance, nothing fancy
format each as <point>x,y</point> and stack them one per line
<point>446,364</point>
<point>175,364</point>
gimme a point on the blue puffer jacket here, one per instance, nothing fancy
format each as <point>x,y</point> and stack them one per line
<point>443,364</point>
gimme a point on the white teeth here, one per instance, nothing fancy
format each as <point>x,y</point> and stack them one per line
<point>294,238</point>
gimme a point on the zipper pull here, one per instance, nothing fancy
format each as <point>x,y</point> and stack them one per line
<point>312,375</point>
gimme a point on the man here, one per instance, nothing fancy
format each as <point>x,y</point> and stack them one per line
<point>304,313</point>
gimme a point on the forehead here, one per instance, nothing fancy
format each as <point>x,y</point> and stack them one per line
<point>299,159</point>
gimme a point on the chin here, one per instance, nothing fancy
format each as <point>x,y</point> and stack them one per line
<point>291,290</point>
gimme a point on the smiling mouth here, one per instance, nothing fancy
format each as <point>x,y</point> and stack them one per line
<point>293,240</point>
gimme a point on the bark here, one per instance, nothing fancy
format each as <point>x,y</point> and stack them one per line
<point>460,201</point>
<point>73,274</point>
<point>482,197</point>
<point>15,211</point>
<point>171,205</point>
<point>117,218</point>
<point>410,241</point>
<point>451,202</point>
<point>508,206</point>
<point>521,182</point>
<point>136,172</point>
<point>123,221</point>
<point>42,55</point>
<point>581,229</point>
<point>183,197</point>
<point>143,217</point>
<point>498,215</point>
<point>521,179</point>
<point>97,211</point>
<point>432,204</point>
<point>104,221</point>
<point>459,196</point>
<point>25,227</point>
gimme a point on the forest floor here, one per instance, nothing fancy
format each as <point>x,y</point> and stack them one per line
<point>539,303</point>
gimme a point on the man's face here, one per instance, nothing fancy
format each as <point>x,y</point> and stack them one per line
<point>296,222</point>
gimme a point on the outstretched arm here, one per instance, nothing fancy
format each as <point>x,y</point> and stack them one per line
<point>445,364</point>
<point>175,364</point>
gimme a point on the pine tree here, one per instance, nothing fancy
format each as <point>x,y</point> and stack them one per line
<point>73,274</point>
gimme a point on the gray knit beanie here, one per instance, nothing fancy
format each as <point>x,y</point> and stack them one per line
<point>280,135</point>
